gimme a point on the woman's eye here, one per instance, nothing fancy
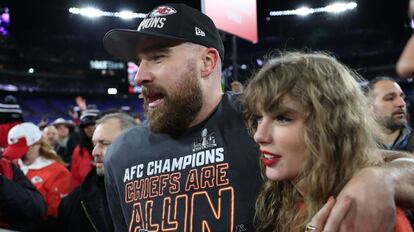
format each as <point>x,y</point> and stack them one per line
<point>283,119</point>
<point>258,119</point>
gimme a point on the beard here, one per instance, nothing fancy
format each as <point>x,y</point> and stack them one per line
<point>393,124</point>
<point>179,108</point>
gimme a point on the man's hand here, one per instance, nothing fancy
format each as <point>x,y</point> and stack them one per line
<point>373,206</point>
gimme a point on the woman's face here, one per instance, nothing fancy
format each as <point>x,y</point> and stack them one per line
<point>32,154</point>
<point>89,129</point>
<point>281,140</point>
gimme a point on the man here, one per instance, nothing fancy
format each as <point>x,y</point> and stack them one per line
<point>193,166</point>
<point>388,106</point>
<point>86,208</point>
<point>50,135</point>
<point>405,65</point>
<point>236,87</point>
<point>10,115</point>
<point>66,140</point>
<point>21,205</point>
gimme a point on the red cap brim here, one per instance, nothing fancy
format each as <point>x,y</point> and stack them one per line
<point>17,150</point>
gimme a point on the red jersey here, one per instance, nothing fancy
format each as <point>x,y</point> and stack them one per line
<point>51,179</point>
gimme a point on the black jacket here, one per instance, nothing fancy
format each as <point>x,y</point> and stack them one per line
<point>86,208</point>
<point>20,202</point>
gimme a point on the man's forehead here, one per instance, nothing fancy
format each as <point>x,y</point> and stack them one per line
<point>386,86</point>
<point>150,44</point>
<point>107,130</point>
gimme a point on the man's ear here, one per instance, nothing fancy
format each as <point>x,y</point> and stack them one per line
<point>210,59</point>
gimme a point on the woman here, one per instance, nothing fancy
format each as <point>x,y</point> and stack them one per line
<point>309,117</point>
<point>40,163</point>
<point>81,163</point>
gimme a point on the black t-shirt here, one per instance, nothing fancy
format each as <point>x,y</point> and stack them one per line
<point>205,180</point>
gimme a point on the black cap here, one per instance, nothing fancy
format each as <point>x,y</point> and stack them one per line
<point>10,111</point>
<point>174,21</point>
<point>88,117</point>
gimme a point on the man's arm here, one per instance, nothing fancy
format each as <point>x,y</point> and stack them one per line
<point>402,172</point>
<point>374,191</point>
<point>405,64</point>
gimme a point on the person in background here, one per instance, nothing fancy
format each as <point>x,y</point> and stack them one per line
<point>308,115</point>
<point>45,170</point>
<point>50,135</point>
<point>387,103</point>
<point>195,151</point>
<point>10,115</point>
<point>81,163</point>
<point>21,205</point>
<point>405,64</point>
<point>138,117</point>
<point>236,87</point>
<point>86,208</point>
<point>67,139</point>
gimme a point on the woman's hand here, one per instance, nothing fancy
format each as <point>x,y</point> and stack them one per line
<point>318,221</point>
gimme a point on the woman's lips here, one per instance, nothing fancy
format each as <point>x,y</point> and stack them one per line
<point>269,159</point>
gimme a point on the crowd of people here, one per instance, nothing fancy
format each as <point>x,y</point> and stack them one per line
<point>295,149</point>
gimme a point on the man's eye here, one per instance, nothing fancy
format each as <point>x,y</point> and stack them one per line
<point>157,58</point>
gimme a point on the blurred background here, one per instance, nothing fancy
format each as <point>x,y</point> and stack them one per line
<point>48,55</point>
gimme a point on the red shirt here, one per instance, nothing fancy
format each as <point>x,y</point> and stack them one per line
<point>80,165</point>
<point>51,179</point>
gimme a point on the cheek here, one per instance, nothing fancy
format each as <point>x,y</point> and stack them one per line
<point>290,139</point>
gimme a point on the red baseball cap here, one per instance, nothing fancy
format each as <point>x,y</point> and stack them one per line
<point>20,138</point>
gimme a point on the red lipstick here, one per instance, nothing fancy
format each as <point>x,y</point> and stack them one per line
<point>269,159</point>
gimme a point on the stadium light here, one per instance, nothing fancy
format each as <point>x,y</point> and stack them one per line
<point>112,91</point>
<point>334,8</point>
<point>304,11</point>
<point>93,13</point>
<point>340,7</point>
<point>87,12</point>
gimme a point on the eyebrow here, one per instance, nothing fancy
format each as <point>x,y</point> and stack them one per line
<point>162,48</point>
<point>157,47</point>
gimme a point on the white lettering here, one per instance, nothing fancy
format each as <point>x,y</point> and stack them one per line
<point>155,22</point>
<point>126,175</point>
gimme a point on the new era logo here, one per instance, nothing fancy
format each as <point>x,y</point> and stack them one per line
<point>199,32</point>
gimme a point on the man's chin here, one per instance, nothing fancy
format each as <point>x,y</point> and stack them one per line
<point>100,171</point>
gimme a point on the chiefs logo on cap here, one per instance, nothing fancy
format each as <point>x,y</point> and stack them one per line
<point>163,11</point>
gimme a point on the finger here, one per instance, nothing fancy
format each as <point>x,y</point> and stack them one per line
<point>320,217</point>
<point>337,214</point>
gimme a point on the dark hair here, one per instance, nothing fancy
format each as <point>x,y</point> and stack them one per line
<point>370,86</point>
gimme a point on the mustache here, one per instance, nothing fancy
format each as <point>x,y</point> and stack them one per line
<point>400,111</point>
<point>97,159</point>
<point>153,89</point>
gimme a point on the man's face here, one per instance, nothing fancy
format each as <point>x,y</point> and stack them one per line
<point>102,137</point>
<point>63,131</point>
<point>169,77</point>
<point>50,134</point>
<point>389,105</point>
